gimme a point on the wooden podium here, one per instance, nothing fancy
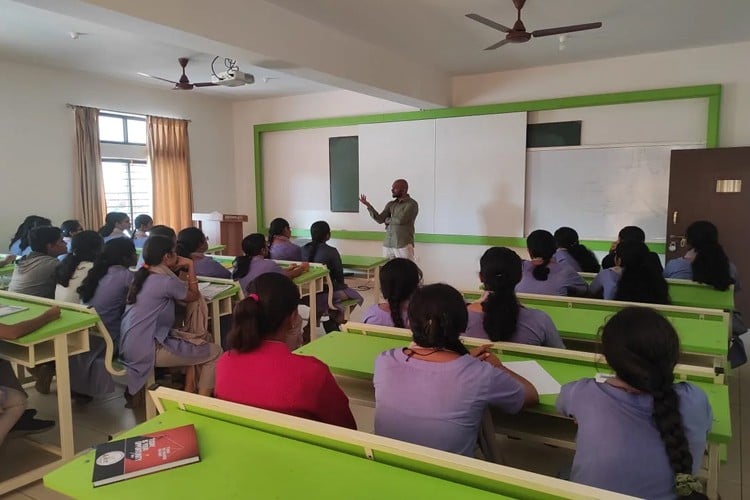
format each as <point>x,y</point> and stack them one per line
<point>224,229</point>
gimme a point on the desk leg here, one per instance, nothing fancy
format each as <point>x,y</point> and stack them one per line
<point>216,322</point>
<point>712,483</point>
<point>376,285</point>
<point>63,397</point>
<point>312,288</point>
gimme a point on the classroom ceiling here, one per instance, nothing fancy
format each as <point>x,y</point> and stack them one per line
<point>403,50</point>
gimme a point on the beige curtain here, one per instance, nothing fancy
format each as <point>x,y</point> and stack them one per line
<point>169,154</point>
<point>89,201</point>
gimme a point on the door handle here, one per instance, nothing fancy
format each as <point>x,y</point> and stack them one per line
<point>674,217</point>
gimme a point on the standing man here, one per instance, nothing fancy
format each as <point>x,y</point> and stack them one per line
<point>399,216</point>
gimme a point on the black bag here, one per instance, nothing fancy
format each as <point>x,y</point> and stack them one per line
<point>737,355</point>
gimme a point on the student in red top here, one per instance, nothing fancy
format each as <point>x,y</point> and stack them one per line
<point>258,369</point>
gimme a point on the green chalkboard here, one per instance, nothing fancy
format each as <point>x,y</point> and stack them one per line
<point>545,135</point>
<point>343,158</point>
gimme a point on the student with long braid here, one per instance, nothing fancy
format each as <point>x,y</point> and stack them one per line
<point>497,315</point>
<point>542,274</point>
<point>571,252</point>
<point>434,392</point>
<point>639,432</point>
<point>399,279</point>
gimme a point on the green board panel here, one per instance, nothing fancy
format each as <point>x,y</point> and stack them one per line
<point>554,134</point>
<point>343,161</point>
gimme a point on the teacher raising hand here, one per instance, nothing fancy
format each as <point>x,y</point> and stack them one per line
<point>398,216</point>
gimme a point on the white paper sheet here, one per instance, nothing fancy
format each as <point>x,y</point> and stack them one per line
<point>211,290</point>
<point>538,376</point>
<point>7,309</point>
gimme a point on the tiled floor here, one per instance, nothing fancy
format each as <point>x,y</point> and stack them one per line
<point>94,423</point>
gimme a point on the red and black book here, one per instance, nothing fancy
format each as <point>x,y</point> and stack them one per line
<point>139,455</point>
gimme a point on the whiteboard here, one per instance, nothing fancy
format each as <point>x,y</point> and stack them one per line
<point>599,190</point>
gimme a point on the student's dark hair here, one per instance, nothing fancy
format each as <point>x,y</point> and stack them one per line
<point>154,250</point>
<point>632,233</point>
<point>189,240</point>
<point>110,220</point>
<point>541,245</point>
<point>399,278</point>
<point>252,245</point>
<point>41,236</point>
<point>116,252</point>
<point>642,348</point>
<point>84,247</point>
<point>162,230</point>
<point>567,238</point>
<point>29,223</point>
<point>437,317</point>
<point>69,226</point>
<point>276,227</point>
<point>319,232</point>
<point>641,280</point>
<point>142,220</point>
<point>254,320</point>
<point>500,269</point>
<point>711,264</point>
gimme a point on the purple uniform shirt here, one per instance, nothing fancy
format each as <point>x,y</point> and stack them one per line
<point>206,266</point>
<point>618,446</point>
<point>439,405</point>
<point>561,280</point>
<point>605,283</point>
<point>282,249</point>
<point>562,256</point>
<point>258,266</point>
<point>374,315</point>
<point>534,327</point>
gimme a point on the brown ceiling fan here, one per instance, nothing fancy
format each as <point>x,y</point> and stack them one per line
<point>183,83</point>
<point>518,33</point>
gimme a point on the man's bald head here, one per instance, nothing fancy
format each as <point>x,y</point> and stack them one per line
<point>399,188</point>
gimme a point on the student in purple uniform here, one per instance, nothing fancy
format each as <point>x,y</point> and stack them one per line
<point>498,316</point>
<point>69,229</point>
<point>105,288</point>
<point>705,261</point>
<point>434,392</point>
<point>19,243</point>
<point>318,250</point>
<point>542,274</point>
<point>142,224</point>
<point>192,243</point>
<point>159,230</point>
<point>115,226</point>
<point>146,339</point>
<point>571,252</point>
<point>399,278</point>
<point>629,233</point>
<point>635,278</point>
<point>280,247</point>
<point>255,262</point>
<point>70,273</point>
<point>639,433</point>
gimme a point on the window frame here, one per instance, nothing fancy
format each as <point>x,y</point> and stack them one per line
<point>123,117</point>
<point>129,162</point>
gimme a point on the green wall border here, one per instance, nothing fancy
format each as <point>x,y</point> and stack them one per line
<point>712,92</point>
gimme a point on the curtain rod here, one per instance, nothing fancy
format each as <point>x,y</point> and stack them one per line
<point>69,105</point>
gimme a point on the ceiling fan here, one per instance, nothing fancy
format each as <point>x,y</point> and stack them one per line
<point>183,83</point>
<point>518,33</point>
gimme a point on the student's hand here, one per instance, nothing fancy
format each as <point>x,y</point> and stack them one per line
<point>484,353</point>
<point>183,263</point>
<point>363,200</point>
<point>7,260</point>
<point>52,313</point>
<point>305,266</point>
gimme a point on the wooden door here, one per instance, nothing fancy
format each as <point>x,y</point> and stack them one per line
<point>701,187</point>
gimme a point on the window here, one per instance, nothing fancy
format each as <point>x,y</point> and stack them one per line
<point>127,186</point>
<point>127,174</point>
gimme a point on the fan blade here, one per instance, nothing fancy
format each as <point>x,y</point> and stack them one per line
<point>157,78</point>
<point>498,44</point>
<point>204,84</point>
<point>488,22</point>
<point>566,29</point>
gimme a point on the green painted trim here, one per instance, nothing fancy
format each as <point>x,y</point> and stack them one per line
<point>711,91</point>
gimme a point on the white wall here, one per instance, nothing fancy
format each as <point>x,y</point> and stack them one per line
<point>37,138</point>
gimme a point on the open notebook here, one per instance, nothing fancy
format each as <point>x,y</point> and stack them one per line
<point>211,290</point>
<point>6,309</point>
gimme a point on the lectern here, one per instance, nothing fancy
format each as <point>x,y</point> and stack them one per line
<point>225,229</point>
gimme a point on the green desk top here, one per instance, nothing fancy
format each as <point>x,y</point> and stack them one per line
<point>354,355</point>
<point>311,274</point>
<point>69,321</point>
<point>215,248</point>
<point>362,261</point>
<point>233,290</point>
<point>240,462</point>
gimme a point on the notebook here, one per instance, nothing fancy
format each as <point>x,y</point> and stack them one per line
<point>6,309</point>
<point>211,290</point>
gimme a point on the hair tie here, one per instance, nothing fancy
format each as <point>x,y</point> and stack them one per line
<point>685,484</point>
<point>254,296</point>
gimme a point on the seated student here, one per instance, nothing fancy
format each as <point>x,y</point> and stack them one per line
<point>19,243</point>
<point>319,251</point>
<point>34,273</point>
<point>280,247</point>
<point>629,233</point>
<point>639,433</point>
<point>705,261</point>
<point>146,339</point>
<point>571,252</point>
<point>399,278</point>
<point>86,247</point>
<point>635,278</point>
<point>104,288</point>
<point>70,228</point>
<point>498,316</point>
<point>434,392</point>
<point>254,262</point>
<point>115,226</point>
<point>13,399</point>
<point>542,274</point>
<point>259,370</point>
<point>192,243</point>
<point>142,225</point>
<point>159,230</point>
